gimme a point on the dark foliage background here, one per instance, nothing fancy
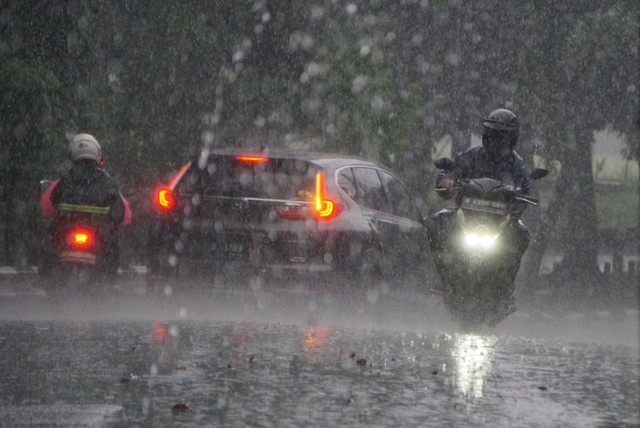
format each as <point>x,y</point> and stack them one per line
<point>158,81</point>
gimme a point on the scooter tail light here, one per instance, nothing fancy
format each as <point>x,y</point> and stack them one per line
<point>81,238</point>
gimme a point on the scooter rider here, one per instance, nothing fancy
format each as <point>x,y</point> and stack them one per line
<point>494,158</point>
<point>86,191</point>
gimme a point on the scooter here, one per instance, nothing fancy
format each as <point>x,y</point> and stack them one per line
<point>75,258</point>
<point>476,248</point>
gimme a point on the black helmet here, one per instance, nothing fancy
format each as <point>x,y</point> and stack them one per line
<point>501,132</point>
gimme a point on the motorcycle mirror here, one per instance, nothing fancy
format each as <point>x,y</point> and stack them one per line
<point>445,164</point>
<point>44,184</point>
<point>539,173</point>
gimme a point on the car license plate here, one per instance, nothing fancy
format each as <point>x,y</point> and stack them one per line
<point>235,247</point>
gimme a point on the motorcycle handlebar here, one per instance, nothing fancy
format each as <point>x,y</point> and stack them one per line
<point>516,196</point>
<point>528,199</point>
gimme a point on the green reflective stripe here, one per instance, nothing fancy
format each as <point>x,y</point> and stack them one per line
<point>91,209</point>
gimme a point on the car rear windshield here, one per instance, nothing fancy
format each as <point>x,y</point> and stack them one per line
<point>270,178</point>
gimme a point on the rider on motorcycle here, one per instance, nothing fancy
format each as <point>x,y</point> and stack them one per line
<point>495,159</point>
<point>86,192</point>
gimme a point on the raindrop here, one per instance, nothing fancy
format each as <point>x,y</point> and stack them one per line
<point>352,8</point>
<point>204,155</point>
<point>146,402</point>
<point>317,12</point>
<point>237,56</point>
<point>358,84</point>
<point>314,69</point>
<point>330,129</point>
<point>384,287</point>
<point>452,58</point>
<point>372,295</point>
<point>260,122</point>
<point>377,103</point>
<point>153,370</point>
<point>256,283</point>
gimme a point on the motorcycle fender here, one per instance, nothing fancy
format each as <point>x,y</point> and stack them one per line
<point>78,257</point>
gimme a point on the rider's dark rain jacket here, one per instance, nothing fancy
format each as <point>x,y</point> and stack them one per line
<point>476,162</point>
<point>86,190</point>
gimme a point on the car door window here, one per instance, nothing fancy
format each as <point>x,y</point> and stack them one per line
<point>347,182</point>
<point>370,192</point>
<point>402,203</point>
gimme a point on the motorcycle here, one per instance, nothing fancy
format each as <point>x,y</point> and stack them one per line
<point>477,249</point>
<point>75,256</point>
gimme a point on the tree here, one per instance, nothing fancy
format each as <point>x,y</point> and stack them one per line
<point>30,91</point>
<point>576,95</point>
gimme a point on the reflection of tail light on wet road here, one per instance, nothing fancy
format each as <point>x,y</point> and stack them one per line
<point>315,336</point>
<point>158,332</point>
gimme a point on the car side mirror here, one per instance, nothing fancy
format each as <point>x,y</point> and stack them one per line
<point>445,164</point>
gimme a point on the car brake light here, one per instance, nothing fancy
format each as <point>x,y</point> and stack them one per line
<point>325,208</point>
<point>251,158</point>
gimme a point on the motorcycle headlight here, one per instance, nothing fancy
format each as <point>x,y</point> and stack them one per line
<point>479,240</point>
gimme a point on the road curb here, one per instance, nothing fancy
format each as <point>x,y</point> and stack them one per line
<point>8,270</point>
<point>10,276</point>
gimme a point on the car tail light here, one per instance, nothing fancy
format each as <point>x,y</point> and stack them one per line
<point>324,208</point>
<point>317,205</point>
<point>164,197</point>
<point>293,212</point>
<point>81,238</point>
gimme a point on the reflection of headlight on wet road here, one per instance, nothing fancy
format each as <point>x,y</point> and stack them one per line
<point>474,240</point>
<point>473,356</point>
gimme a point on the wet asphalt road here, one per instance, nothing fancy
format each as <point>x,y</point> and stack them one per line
<point>266,358</point>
